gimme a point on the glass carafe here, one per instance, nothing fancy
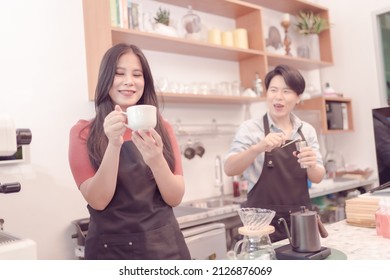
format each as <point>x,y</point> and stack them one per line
<point>255,245</point>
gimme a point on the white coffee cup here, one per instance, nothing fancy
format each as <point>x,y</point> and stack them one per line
<point>141,117</point>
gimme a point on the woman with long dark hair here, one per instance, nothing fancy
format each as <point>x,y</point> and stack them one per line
<point>130,179</point>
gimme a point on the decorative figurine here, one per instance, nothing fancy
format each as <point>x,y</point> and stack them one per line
<point>287,42</point>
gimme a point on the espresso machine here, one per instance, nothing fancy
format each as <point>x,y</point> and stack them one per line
<point>11,139</point>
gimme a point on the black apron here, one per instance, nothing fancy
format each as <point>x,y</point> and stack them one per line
<point>282,185</point>
<point>137,223</point>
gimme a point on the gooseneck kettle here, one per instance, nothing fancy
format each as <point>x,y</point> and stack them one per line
<point>306,229</point>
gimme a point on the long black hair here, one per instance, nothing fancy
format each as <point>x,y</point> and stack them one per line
<point>97,141</point>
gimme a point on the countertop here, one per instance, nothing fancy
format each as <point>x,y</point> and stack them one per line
<point>358,243</point>
<point>203,215</point>
<point>188,216</point>
<point>355,242</point>
<point>328,186</point>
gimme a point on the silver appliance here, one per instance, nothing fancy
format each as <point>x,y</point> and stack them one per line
<point>207,241</point>
<point>16,248</point>
<point>334,115</point>
<point>11,138</point>
<point>13,247</point>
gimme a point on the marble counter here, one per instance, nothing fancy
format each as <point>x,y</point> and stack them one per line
<point>187,217</point>
<point>203,215</point>
<point>358,243</point>
<point>328,186</point>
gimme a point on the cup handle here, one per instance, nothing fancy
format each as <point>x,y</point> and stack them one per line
<point>124,113</point>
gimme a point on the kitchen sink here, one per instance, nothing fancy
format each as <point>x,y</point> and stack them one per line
<point>180,211</point>
<point>211,203</point>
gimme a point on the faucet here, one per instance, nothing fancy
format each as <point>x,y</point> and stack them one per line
<point>218,175</point>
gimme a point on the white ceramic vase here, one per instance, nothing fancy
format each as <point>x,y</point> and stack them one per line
<point>309,47</point>
<point>165,30</point>
<point>313,44</point>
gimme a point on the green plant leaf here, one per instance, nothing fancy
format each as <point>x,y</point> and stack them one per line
<point>310,23</point>
<point>162,16</point>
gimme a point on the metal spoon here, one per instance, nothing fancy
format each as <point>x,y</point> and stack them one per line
<point>290,143</point>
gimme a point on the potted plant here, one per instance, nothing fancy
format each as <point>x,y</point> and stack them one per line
<point>162,16</point>
<point>310,25</point>
<point>162,22</point>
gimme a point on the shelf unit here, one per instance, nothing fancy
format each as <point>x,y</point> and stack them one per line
<point>320,103</point>
<point>99,36</point>
<point>202,129</point>
<point>207,99</point>
<point>293,7</point>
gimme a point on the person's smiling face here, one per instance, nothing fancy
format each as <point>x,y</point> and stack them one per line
<point>281,99</point>
<point>128,85</point>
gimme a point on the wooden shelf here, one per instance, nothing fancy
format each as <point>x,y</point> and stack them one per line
<point>99,36</point>
<point>293,7</point>
<point>181,46</point>
<point>225,8</point>
<point>297,62</point>
<point>320,103</point>
<point>207,99</point>
<point>288,6</point>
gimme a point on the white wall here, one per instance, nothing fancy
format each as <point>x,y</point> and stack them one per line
<point>355,74</point>
<point>44,88</point>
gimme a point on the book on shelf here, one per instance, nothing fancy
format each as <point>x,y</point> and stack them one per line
<point>125,17</point>
<point>125,14</point>
<point>345,116</point>
<point>334,115</point>
<point>114,13</point>
<point>134,16</point>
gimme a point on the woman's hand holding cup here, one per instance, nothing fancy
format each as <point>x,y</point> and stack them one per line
<point>142,119</point>
<point>113,126</point>
<point>150,145</point>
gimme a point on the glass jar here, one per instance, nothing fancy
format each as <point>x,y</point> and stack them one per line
<point>334,162</point>
<point>257,85</point>
<point>191,24</point>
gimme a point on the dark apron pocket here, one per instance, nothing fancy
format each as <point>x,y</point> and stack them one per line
<point>155,244</point>
<point>115,247</point>
<point>165,243</point>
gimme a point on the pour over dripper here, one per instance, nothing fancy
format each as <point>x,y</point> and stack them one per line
<point>255,218</point>
<point>256,243</point>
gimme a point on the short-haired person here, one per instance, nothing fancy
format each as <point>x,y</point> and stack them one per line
<point>275,178</point>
